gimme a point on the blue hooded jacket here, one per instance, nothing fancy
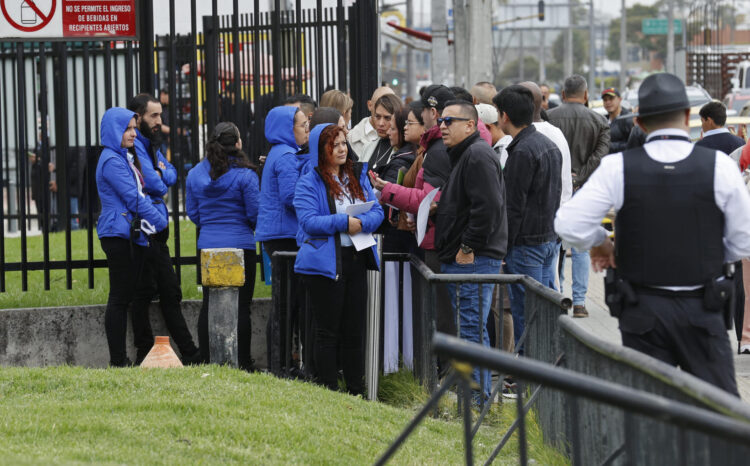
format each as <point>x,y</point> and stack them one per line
<point>320,225</point>
<point>156,186</point>
<point>307,162</point>
<point>276,217</point>
<point>224,209</point>
<point>117,185</point>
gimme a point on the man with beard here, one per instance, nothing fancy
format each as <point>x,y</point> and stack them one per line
<point>157,274</point>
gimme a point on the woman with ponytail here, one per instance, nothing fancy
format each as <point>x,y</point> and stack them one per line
<point>334,272</point>
<point>222,200</point>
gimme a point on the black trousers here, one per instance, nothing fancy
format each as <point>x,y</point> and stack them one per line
<point>125,262</point>
<point>244,324</point>
<point>158,276</point>
<point>680,332</point>
<point>339,309</point>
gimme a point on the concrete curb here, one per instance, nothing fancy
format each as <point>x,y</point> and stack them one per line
<point>74,335</point>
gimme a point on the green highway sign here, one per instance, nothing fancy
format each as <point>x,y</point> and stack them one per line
<point>658,26</point>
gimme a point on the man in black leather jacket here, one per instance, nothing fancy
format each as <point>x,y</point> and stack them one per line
<point>620,120</point>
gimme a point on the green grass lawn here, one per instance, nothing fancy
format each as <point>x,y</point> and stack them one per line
<point>80,293</point>
<point>216,415</point>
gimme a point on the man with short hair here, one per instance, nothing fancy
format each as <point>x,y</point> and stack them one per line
<point>472,230</point>
<point>532,193</point>
<point>304,102</point>
<point>157,274</point>
<point>682,212</point>
<point>483,92</point>
<point>620,120</point>
<point>715,135</point>
<point>363,133</point>
<point>587,134</point>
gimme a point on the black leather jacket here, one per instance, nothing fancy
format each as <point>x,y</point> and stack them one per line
<point>619,131</point>
<point>587,134</point>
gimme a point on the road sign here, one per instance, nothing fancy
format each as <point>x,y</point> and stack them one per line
<point>65,19</point>
<point>658,26</point>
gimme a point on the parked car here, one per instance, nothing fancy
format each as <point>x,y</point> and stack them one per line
<point>696,95</point>
<point>737,99</point>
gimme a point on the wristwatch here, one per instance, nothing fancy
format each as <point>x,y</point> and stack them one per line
<point>466,249</point>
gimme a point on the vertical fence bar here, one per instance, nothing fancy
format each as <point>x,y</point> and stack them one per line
<point>21,158</point>
<point>3,131</point>
<point>522,456</point>
<point>240,117</point>
<point>298,48</point>
<point>90,166</point>
<point>61,154</point>
<point>465,386</point>
<point>44,154</point>
<point>146,46</point>
<point>256,76</point>
<point>195,104</point>
<point>278,80</point>
<point>341,41</point>
<point>319,47</point>
<point>73,178</point>
<point>174,134</point>
<point>129,71</point>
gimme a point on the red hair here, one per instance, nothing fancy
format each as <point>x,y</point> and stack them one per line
<point>325,162</point>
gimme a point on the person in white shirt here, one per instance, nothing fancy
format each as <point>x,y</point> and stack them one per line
<point>682,212</point>
<point>364,132</point>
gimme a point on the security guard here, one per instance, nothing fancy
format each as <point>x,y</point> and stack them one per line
<point>682,213</point>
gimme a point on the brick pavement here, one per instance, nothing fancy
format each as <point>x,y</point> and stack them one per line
<point>601,324</point>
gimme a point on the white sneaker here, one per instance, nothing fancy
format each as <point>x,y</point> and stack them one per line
<point>745,349</point>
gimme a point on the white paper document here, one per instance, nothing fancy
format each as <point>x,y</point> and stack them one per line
<point>361,240</point>
<point>423,214</point>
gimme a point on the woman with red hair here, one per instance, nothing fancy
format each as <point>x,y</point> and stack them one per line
<point>334,272</point>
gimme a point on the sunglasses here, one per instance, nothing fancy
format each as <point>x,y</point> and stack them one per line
<point>449,120</point>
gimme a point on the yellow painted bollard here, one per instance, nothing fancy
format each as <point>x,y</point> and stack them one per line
<point>222,274</point>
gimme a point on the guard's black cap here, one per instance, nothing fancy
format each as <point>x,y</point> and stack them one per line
<point>437,96</point>
<point>661,93</point>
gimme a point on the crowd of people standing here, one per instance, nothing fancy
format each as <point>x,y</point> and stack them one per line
<point>505,166</point>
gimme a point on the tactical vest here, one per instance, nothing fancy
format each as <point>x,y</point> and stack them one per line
<point>669,230</point>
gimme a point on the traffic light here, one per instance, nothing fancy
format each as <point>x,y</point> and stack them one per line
<point>541,10</point>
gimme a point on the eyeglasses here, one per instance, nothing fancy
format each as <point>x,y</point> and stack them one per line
<point>449,120</point>
<point>408,122</point>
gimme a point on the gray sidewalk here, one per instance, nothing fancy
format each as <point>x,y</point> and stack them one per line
<point>601,324</point>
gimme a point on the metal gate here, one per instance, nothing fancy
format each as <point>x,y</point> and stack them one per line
<point>53,95</point>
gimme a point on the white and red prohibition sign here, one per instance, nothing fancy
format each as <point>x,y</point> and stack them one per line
<point>29,10</point>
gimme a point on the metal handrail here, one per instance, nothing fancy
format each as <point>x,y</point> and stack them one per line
<point>585,386</point>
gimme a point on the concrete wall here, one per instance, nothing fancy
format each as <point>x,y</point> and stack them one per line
<point>74,335</point>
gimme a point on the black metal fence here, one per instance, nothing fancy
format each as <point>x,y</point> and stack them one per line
<point>53,95</point>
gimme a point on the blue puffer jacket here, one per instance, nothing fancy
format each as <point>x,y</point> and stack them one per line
<point>156,186</point>
<point>225,209</point>
<point>320,225</point>
<point>276,218</point>
<point>117,185</point>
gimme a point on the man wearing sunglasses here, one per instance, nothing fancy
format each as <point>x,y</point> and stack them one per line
<point>471,228</point>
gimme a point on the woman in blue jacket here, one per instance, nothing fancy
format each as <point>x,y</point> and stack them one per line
<point>222,200</point>
<point>126,214</point>
<point>287,130</point>
<point>334,271</point>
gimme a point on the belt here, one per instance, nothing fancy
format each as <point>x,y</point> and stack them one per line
<point>648,290</point>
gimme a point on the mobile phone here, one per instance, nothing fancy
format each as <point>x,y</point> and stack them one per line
<point>372,174</point>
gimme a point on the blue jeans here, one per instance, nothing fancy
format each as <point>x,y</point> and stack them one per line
<point>538,262</point>
<point>581,261</point>
<point>469,322</point>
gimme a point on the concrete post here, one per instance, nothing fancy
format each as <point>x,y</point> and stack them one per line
<point>223,273</point>
<point>440,58</point>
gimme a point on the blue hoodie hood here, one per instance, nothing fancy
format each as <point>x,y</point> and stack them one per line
<point>114,123</point>
<point>217,187</point>
<point>308,161</point>
<point>280,126</point>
